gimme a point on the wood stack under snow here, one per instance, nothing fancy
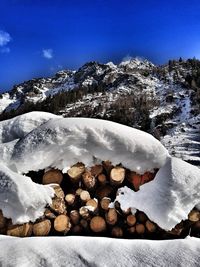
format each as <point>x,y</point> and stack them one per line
<point>84,205</point>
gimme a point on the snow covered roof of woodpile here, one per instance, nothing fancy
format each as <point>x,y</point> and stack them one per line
<point>61,142</point>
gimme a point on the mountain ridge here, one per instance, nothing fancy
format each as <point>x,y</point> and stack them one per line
<point>163,100</point>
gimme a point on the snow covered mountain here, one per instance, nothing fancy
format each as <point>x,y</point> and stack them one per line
<point>162,100</point>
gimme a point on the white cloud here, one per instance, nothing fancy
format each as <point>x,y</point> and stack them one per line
<point>5,38</point>
<point>5,50</point>
<point>47,53</point>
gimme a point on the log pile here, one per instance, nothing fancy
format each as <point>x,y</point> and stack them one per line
<point>83,204</point>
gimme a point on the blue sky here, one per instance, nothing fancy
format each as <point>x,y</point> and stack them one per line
<point>37,38</point>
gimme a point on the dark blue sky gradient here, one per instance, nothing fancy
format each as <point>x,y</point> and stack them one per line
<point>101,30</point>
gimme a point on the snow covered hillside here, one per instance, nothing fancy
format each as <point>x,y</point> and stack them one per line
<point>162,100</point>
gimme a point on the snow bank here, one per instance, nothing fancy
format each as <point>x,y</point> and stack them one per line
<point>19,126</point>
<point>94,251</point>
<point>169,198</point>
<point>63,142</point>
<point>20,198</point>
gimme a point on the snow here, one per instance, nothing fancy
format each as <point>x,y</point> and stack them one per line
<point>20,198</point>
<point>19,126</point>
<point>62,142</point>
<point>95,251</point>
<point>39,140</point>
<point>169,198</point>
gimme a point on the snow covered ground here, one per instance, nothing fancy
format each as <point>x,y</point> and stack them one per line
<point>94,252</point>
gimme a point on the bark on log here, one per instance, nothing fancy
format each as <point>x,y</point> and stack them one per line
<point>20,230</point>
<point>76,171</point>
<point>117,175</point>
<point>98,224</point>
<point>147,177</point>
<point>58,191</point>
<point>105,202</point>
<point>42,228</point>
<point>89,180</point>
<point>58,205</point>
<point>62,224</point>
<point>49,214</point>
<point>107,165</point>
<point>111,216</point>
<point>52,177</point>
<point>96,170</point>
<point>131,220</point>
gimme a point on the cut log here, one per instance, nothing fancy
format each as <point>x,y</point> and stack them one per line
<point>140,229</point>
<point>84,224</point>
<point>85,196</point>
<point>52,177</point>
<point>102,179</point>
<point>2,220</point>
<point>58,205</point>
<point>105,202</point>
<point>77,229</point>
<point>135,179</point>
<point>131,220</point>
<point>84,212</point>
<point>20,230</point>
<point>195,229</point>
<point>177,230</point>
<point>70,199</point>
<point>117,175</point>
<point>151,227</point>
<point>92,205</point>
<point>147,177</point>
<point>78,191</point>
<point>117,232</point>
<point>42,228</point>
<point>96,170</point>
<point>131,230</point>
<point>76,171</point>
<point>49,214</point>
<point>98,224</point>
<point>74,216</point>
<point>89,180</point>
<point>194,216</point>
<point>62,224</point>
<point>111,216</point>
<point>141,217</point>
<point>104,191</point>
<point>58,191</point>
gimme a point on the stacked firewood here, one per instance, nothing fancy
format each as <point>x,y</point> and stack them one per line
<point>83,204</point>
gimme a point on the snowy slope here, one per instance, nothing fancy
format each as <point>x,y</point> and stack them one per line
<point>94,251</point>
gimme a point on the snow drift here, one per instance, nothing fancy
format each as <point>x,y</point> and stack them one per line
<point>38,140</point>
